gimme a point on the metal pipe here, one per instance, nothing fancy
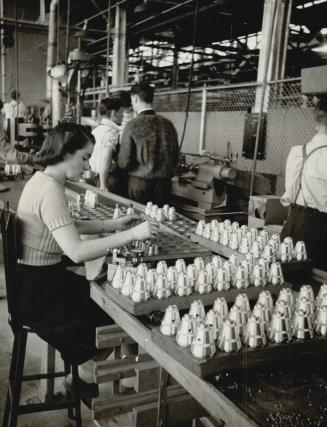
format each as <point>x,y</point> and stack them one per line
<point>119,48</point>
<point>161,13</point>
<point>94,97</point>
<point>52,44</point>
<point>263,91</point>
<point>78,98</point>
<point>3,56</point>
<point>101,12</point>
<point>203,119</point>
<point>108,46</point>
<point>286,30</point>
<point>170,20</point>
<point>67,33</point>
<point>58,33</point>
<point>16,60</point>
<point>97,40</point>
<point>42,11</point>
<point>56,103</point>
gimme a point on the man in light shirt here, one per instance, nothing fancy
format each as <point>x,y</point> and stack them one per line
<point>306,191</point>
<point>14,108</point>
<point>106,141</point>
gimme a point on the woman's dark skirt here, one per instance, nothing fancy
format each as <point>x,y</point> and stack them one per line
<point>56,303</point>
<point>309,225</point>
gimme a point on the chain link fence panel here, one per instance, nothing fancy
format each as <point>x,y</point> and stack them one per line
<point>289,122</point>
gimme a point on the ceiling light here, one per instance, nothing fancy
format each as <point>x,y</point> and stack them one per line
<point>320,49</point>
<point>143,7</point>
<point>310,4</point>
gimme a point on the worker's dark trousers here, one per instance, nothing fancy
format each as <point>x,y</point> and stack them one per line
<point>309,225</point>
<point>142,190</point>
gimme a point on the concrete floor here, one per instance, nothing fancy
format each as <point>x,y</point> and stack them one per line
<point>31,390</point>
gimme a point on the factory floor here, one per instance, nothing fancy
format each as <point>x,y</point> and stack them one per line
<point>31,390</point>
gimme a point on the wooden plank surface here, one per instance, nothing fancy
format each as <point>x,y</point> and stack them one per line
<point>111,336</point>
<point>217,405</point>
<point>246,357</point>
<point>226,252</point>
<point>152,305</point>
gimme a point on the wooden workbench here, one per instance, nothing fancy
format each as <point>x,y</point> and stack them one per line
<point>215,402</point>
<point>237,401</point>
<point>285,387</point>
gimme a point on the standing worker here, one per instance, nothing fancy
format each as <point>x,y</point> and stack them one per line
<point>306,191</point>
<point>106,136</point>
<point>14,108</point>
<point>149,150</point>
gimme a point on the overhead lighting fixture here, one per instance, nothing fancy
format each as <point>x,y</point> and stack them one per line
<point>320,49</point>
<point>310,4</point>
<point>143,7</point>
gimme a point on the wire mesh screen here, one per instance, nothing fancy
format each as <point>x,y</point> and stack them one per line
<point>289,122</point>
<point>177,101</point>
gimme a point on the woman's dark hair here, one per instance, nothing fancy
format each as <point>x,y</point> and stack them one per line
<point>65,138</point>
<point>144,91</point>
<point>320,111</point>
<point>112,103</point>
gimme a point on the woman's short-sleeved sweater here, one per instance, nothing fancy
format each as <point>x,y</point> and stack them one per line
<point>42,208</point>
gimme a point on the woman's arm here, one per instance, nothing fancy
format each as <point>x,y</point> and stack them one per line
<point>79,250</point>
<point>104,226</point>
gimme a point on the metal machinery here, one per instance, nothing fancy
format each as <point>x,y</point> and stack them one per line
<point>27,134</point>
<point>70,81</point>
<point>79,67</point>
<point>210,186</point>
<point>31,133</point>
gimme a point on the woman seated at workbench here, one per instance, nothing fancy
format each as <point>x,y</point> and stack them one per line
<point>53,301</point>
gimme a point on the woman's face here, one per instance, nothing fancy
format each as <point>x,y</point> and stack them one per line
<point>78,162</point>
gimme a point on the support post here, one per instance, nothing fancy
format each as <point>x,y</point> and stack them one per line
<point>52,43</point>
<point>162,420</point>
<point>3,56</point>
<point>203,119</point>
<point>272,58</point>
<point>56,102</point>
<point>175,70</point>
<point>262,92</point>
<point>119,48</point>
<point>42,11</point>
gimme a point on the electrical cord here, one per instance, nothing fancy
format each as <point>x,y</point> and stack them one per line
<point>195,24</point>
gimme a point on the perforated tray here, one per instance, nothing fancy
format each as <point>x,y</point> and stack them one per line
<point>244,358</point>
<point>151,305</point>
<point>226,252</point>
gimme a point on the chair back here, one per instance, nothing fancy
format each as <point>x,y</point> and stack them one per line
<point>8,225</point>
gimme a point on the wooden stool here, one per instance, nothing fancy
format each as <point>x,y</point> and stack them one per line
<point>16,374</point>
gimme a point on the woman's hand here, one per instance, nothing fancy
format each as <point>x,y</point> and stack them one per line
<point>145,230</point>
<point>123,221</point>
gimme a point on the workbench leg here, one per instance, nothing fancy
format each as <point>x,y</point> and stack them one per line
<point>162,420</point>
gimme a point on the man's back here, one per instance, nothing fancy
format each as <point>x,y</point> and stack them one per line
<point>10,109</point>
<point>149,147</point>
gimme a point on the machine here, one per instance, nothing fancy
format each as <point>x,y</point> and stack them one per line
<point>209,186</point>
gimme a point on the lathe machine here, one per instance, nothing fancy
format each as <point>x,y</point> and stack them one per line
<point>207,186</point>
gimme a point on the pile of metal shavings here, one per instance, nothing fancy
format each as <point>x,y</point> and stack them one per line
<point>294,395</point>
